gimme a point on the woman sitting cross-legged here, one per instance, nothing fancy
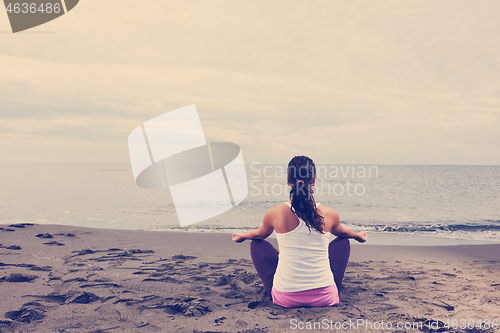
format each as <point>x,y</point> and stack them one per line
<point>309,269</point>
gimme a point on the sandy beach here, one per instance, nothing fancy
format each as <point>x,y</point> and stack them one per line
<point>70,279</point>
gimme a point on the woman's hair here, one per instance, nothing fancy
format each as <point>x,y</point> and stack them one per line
<point>301,173</point>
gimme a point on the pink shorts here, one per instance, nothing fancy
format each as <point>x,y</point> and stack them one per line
<point>326,296</point>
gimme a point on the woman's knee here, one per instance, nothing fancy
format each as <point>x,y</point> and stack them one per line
<point>260,245</point>
<point>262,250</point>
<point>341,242</point>
<point>255,243</point>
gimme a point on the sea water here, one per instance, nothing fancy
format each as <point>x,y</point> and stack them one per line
<point>449,202</point>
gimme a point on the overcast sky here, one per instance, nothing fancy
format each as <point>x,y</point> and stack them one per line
<point>374,82</point>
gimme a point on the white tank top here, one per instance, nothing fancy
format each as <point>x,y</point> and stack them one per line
<point>303,260</point>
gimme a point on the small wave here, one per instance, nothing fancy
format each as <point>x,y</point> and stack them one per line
<point>460,231</point>
<point>485,230</point>
<point>214,229</point>
<point>469,227</point>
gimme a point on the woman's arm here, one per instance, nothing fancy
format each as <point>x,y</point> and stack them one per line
<point>341,231</point>
<point>264,231</point>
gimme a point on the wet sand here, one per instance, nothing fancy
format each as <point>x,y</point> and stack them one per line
<point>70,279</point>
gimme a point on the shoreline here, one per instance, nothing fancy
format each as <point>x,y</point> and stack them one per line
<point>76,279</point>
<point>221,246</point>
<point>375,238</point>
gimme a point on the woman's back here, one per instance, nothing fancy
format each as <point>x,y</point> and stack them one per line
<point>303,258</point>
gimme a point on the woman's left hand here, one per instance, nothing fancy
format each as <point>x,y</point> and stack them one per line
<point>238,238</point>
<point>362,237</point>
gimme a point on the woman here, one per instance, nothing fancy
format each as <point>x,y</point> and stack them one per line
<point>310,268</point>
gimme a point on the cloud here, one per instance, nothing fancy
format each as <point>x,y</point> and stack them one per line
<point>393,82</point>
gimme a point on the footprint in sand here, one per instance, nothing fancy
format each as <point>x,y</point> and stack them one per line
<point>77,297</point>
<point>46,235</point>
<point>182,257</point>
<point>30,266</point>
<point>26,315</point>
<point>12,247</point>
<point>20,225</point>
<point>54,243</point>
<point>18,278</point>
<point>66,234</point>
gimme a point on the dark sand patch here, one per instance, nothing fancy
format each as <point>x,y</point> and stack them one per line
<point>11,247</point>
<point>45,235</point>
<point>26,314</point>
<point>54,243</point>
<point>21,225</point>
<point>15,277</point>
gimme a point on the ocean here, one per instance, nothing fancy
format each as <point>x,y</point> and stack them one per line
<point>443,202</point>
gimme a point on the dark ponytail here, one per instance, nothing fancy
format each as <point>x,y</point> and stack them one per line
<point>301,173</point>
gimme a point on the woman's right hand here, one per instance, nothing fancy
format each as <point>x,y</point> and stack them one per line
<point>238,238</point>
<point>361,237</point>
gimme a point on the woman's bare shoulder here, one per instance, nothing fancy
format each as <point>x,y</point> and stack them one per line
<point>328,212</point>
<point>278,209</point>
